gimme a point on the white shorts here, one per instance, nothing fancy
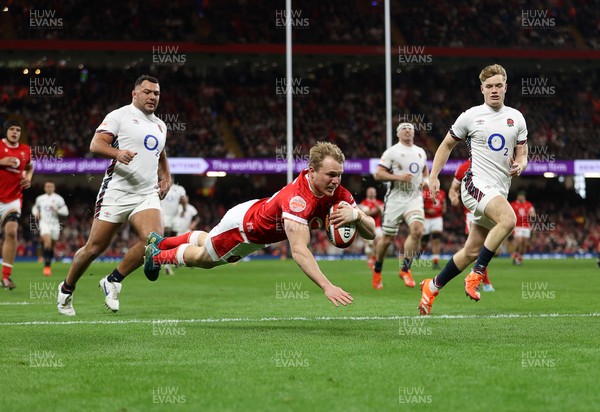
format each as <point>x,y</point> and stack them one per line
<point>522,232</point>
<point>168,221</point>
<point>14,205</point>
<point>117,206</point>
<point>476,199</point>
<point>227,242</point>
<point>52,229</point>
<point>433,225</point>
<point>394,212</point>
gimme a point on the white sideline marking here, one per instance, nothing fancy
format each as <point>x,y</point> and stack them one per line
<point>25,303</point>
<point>303,319</point>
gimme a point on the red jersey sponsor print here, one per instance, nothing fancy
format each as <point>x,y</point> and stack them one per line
<point>372,205</point>
<point>432,210</point>
<point>522,211</point>
<point>11,188</point>
<point>263,223</point>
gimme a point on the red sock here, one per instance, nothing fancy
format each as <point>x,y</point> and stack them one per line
<point>436,261</point>
<point>167,257</point>
<point>171,242</point>
<point>6,271</point>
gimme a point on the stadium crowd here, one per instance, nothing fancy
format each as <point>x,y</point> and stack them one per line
<point>247,105</point>
<point>572,24</point>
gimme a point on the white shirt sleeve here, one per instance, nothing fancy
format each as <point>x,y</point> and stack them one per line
<point>111,124</point>
<point>460,128</point>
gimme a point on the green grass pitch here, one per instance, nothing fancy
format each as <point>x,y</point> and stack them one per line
<point>259,336</point>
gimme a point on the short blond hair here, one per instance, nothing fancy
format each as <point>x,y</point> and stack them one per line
<point>321,150</point>
<point>491,71</point>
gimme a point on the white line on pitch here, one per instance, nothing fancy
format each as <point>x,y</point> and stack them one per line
<point>302,319</point>
<point>24,303</point>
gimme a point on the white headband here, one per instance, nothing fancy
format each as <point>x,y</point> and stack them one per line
<point>405,125</point>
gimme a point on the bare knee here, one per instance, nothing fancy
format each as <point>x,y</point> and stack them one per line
<point>416,231</point>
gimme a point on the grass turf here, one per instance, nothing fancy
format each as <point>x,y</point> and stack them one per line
<point>260,336</point>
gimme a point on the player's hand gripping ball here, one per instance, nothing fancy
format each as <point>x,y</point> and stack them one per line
<point>343,235</point>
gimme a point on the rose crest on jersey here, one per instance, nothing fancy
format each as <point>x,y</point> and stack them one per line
<point>510,122</point>
<point>297,204</point>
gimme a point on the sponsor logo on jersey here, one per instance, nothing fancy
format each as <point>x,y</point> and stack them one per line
<point>297,204</point>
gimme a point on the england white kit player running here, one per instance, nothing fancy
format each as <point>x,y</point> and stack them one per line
<point>135,181</point>
<point>170,204</point>
<point>404,166</point>
<point>47,210</point>
<point>497,139</point>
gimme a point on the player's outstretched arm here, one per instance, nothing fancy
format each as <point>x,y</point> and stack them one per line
<point>299,236</point>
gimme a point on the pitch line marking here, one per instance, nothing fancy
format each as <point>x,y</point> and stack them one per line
<point>301,319</point>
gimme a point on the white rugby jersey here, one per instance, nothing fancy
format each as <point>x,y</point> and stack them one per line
<point>44,206</point>
<point>143,134</point>
<point>183,220</point>
<point>492,136</point>
<point>400,159</point>
<point>170,203</point>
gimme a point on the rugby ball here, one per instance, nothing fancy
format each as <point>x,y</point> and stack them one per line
<point>343,235</point>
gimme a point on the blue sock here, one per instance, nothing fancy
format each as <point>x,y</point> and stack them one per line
<point>449,272</point>
<point>66,288</point>
<point>378,266</point>
<point>115,276</point>
<point>406,263</point>
<point>483,260</point>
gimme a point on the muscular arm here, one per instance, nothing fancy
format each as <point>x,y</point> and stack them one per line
<point>26,179</point>
<point>520,163</point>
<point>298,235</point>
<point>383,175</point>
<point>439,160</point>
<point>164,175</point>
<point>454,193</point>
<point>101,145</point>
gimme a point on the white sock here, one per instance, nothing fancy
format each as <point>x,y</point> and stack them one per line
<point>179,254</point>
<point>193,238</point>
<point>432,286</point>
